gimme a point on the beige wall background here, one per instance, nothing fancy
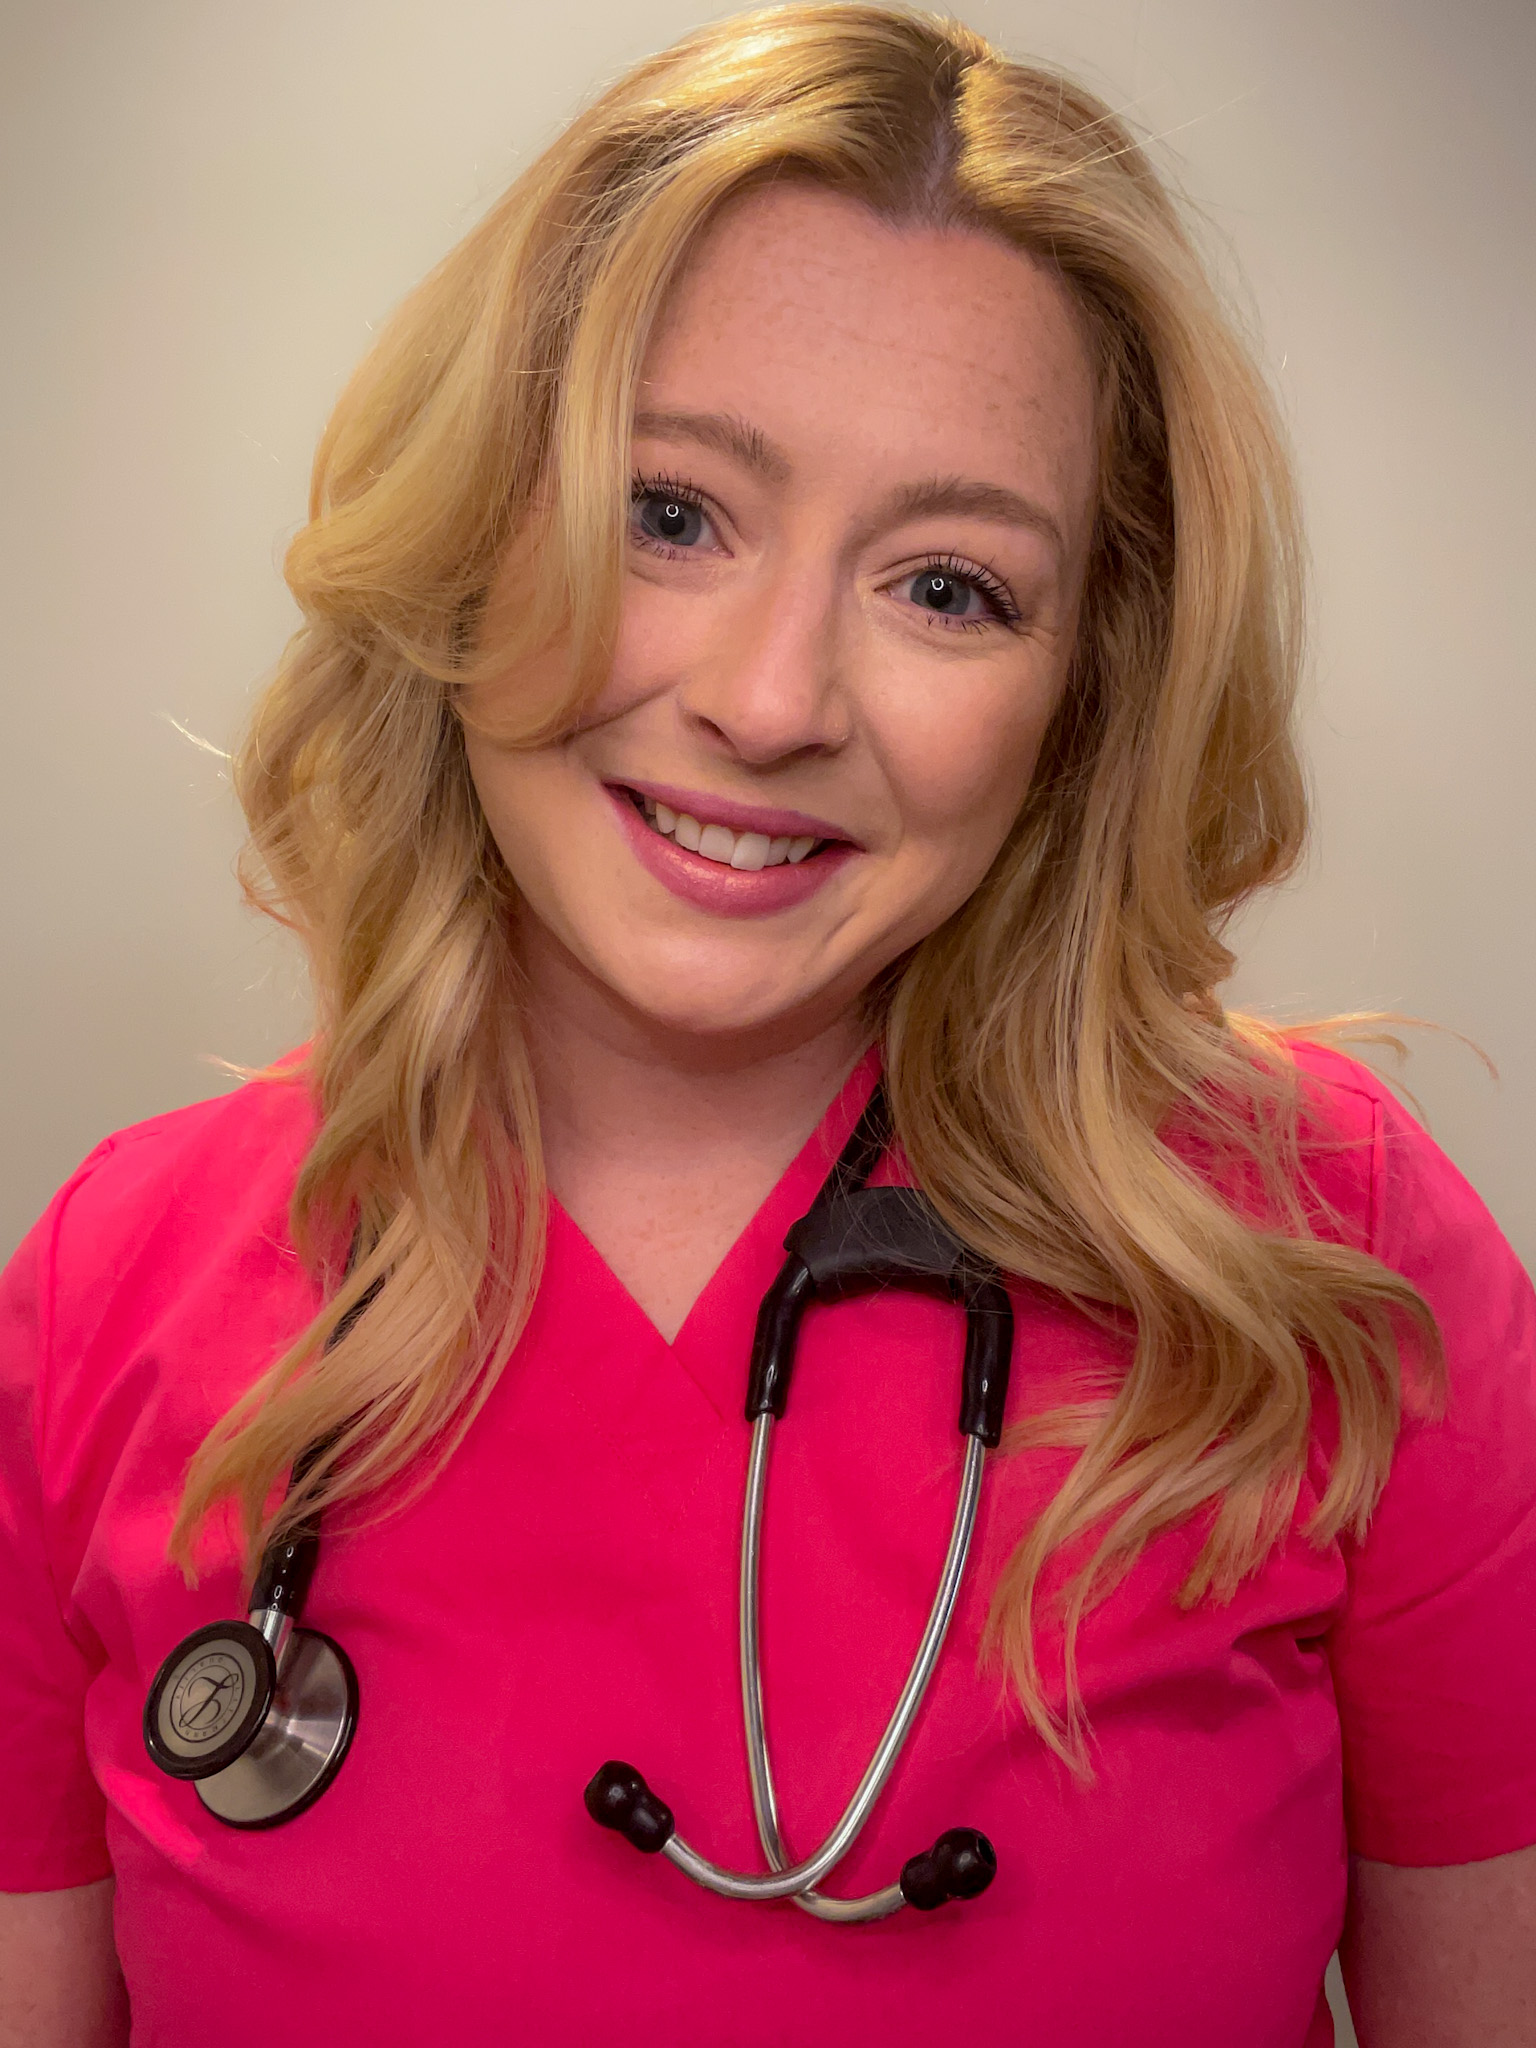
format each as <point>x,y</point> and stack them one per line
<point>206,207</point>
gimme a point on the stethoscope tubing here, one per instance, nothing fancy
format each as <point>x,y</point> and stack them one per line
<point>796,1880</point>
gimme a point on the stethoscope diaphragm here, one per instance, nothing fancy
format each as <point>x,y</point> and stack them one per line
<point>209,1698</point>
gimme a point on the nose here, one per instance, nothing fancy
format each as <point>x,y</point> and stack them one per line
<point>769,686</point>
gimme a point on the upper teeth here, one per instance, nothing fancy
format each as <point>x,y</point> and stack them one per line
<point>750,850</point>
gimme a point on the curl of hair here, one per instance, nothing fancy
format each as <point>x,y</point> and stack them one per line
<point>1043,1045</point>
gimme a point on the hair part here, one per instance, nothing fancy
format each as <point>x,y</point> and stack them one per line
<point>1044,1046</point>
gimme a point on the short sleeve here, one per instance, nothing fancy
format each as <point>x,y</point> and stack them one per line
<point>51,1812</point>
<point>1434,1660</point>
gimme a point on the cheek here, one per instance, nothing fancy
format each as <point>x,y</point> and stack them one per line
<point>500,780</point>
<point>658,638</point>
<point>960,761</point>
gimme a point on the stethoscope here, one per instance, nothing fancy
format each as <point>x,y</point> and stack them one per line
<point>260,1713</point>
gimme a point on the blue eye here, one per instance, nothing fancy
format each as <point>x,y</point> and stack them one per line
<point>961,593</point>
<point>953,597</point>
<point>668,517</point>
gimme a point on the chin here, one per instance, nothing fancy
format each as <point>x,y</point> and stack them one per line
<point>720,1015</point>
<point>683,992</point>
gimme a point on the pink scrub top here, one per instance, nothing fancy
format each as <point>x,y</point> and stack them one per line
<point>565,1592</point>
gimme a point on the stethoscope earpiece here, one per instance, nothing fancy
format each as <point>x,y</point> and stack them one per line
<point>619,1798</point>
<point>960,1865</point>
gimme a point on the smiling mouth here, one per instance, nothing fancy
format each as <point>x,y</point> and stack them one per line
<point>745,851</point>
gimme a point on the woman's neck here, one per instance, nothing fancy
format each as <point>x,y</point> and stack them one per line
<point>661,1145</point>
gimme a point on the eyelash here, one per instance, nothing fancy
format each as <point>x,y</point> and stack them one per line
<point>1005,612</point>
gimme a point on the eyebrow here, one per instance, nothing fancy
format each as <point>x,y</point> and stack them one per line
<point>725,433</point>
<point>962,497</point>
<point>968,498</point>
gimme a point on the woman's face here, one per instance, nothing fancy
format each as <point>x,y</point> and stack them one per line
<point>863,486</point>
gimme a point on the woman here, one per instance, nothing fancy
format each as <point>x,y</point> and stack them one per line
<point>802,601</point>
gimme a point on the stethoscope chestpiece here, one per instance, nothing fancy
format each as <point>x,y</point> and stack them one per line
<point>208,1699</point>
<point>260,1713</point>
<point>260,1734</point>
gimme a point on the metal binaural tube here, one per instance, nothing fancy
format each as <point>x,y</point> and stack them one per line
<point>796,1878</point>
<point>764,1804</point>
<point>759,1767</point>
<point>889,1899</point>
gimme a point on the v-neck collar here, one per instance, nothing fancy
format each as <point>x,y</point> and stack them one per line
<point>714,1343</point>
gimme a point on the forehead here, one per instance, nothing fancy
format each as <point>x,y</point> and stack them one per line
<point>902,349</point>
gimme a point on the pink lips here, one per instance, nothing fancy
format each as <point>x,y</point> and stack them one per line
<point>729,892</point>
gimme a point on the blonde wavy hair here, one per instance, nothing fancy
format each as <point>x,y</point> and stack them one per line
<point>1044,1047</point>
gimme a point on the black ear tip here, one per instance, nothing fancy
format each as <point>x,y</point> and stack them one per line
<point>960,1865</point>
<point>611,1791</point>
<point>968,1860</point>
<point>619,1798</point>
